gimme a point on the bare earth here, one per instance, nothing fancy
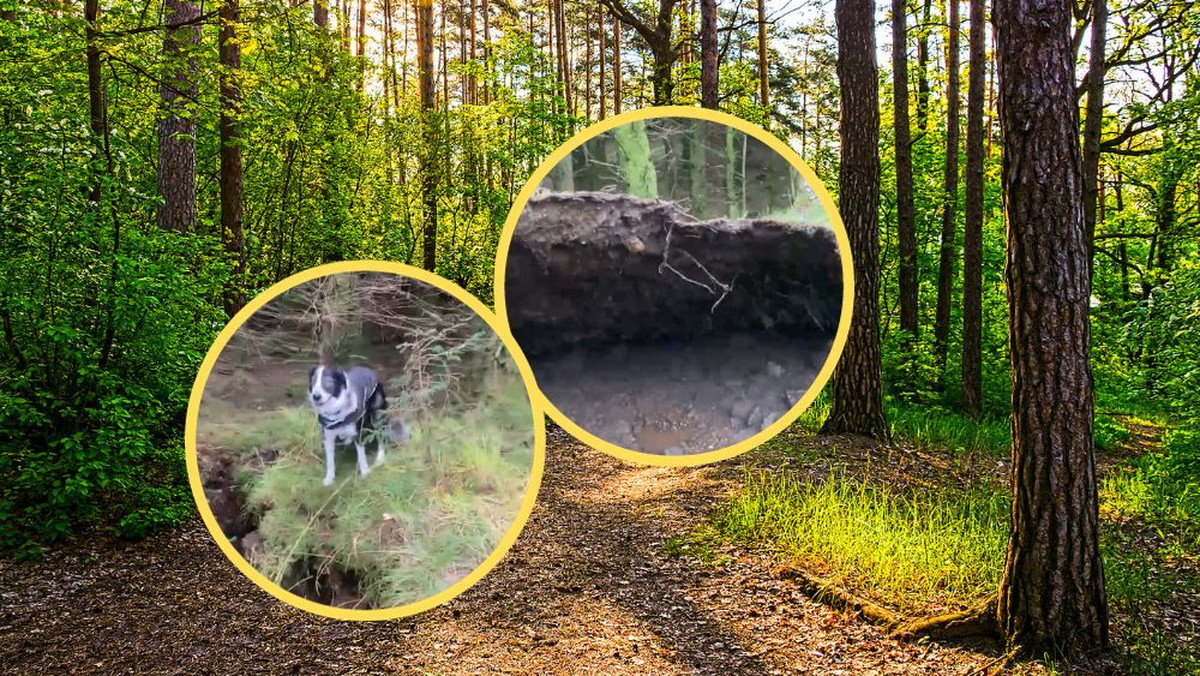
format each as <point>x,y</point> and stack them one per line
<point>588,589</point>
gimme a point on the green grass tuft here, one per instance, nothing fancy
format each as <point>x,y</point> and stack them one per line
<point>912,551</point>
<point>937,428</point>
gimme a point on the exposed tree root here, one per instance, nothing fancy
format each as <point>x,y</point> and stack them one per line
<point>979,621</point>
<point>832,595</point>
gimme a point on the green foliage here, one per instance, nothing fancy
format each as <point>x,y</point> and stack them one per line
<point>912,550</point>
<point>1162,487</point>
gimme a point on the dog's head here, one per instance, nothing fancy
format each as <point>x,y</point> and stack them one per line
<point>326,386</point>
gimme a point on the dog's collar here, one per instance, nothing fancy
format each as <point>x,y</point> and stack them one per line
<point>334,423</point>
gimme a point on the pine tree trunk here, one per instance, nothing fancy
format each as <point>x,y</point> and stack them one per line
<point>361,37</point>
<point>177,127</point>
<point>616,21</point>
<point>1052,598</point>
<point>603,65</point>
<point>230,57</point>
<point>429,177</point>
<point>709,68</point>
<point>923,68</point>
<point>972,350</point>
<point>564,68</point>
<point>587,64</point>
<point>1093,124</point>
<point>321,13</point>
<point>941,326</point>
<point>97,104</point>
<point>906,224</point>
<point>763,86</point>
<point>857,382</point>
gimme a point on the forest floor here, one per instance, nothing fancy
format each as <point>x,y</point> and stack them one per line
<point>589,588</point>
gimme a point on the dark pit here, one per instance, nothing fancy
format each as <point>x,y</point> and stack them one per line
<point>663,334</point>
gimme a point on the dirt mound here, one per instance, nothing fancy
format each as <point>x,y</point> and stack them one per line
<point>598,267</point>
<point>664,334</point>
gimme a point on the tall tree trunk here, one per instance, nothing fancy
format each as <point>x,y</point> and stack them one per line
<point>177,127</point>
<point>564,67</point>
<point>906,223</point>
<point>1052,597</point>
<point>361,33</point>
<point>1093,124</point>
<point>587,64</point>
<point>321,13</point>
<point>923,67</point>
<point>487,51</point>
<point>616,21</point>
<point>603,63</point>
<point>941,327</point>
<point>709,67</point>
<point>472,81</point>
<point>97,103</point>
<point>637,167</point>
<point>230,57</point>
<point>857,382</point>
<point>429,154</point>
<point>763,87</point>
<point>98,110</point>
<point>972,350</point>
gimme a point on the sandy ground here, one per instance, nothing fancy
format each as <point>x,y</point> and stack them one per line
<point>679,398</point>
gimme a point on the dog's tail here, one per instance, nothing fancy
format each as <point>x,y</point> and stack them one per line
<point>399,432</point>
<point>325,355</point>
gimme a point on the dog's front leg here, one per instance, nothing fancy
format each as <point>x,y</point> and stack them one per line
<point>329,465</point>
<point>363,470</point>
<point>379,444</point>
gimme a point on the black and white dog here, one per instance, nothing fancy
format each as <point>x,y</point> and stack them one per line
<point>349,405</point>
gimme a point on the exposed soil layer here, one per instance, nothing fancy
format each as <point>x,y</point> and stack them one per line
<point>319,580</point>
<point>587,268</point>
<point>673,398</point>
<point>664,334</point>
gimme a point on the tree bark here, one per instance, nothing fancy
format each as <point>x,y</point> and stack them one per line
<point>923,68</point>
<point>857,382</point>
<point>709,65</point>
<point>1093,124</point>
<point>429,172</point>
<point>616,21</point>
<point>1052,598</point>
<point>603,65</point>
<point>321,13</point>
<point>230,57</point>
<point>763,85</point>
<point>941,326</point>
<point>972,349</point>
<point>97,104</point>
<point>906,224</point>
<point>177,126</point>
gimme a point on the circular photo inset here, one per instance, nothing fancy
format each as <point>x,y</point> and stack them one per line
<point>362,442</point>
<point>680,283</point>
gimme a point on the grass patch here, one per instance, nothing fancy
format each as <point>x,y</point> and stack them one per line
<point>939,428</point>
<point>924,426</point>
<point>912,551</point>
<point>1162,488</point>
<point>424,519</point>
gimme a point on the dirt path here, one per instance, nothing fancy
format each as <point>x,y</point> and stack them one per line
<point>588,589</point>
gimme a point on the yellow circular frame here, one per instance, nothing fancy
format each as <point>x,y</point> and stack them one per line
<point>510,536</point>
<point>843,242</point>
